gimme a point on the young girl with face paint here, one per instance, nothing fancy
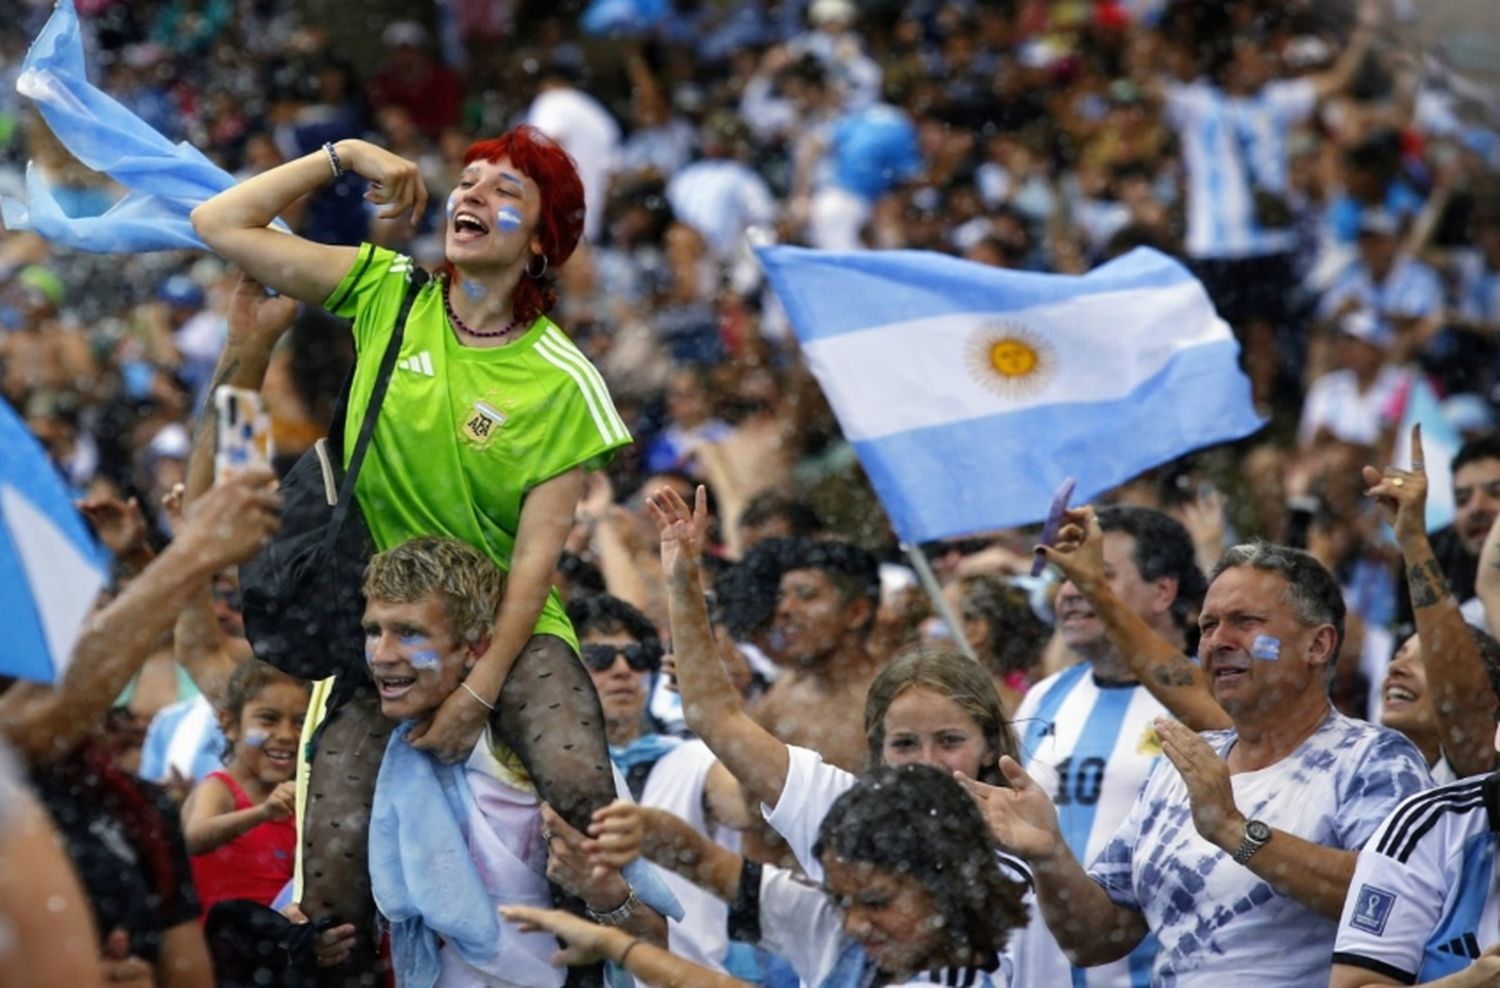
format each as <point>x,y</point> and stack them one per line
<point>238,822</point>
<point>491,419</point>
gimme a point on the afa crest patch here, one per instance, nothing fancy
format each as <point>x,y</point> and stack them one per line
<point>1150,742</point>
<point>1372,908</point>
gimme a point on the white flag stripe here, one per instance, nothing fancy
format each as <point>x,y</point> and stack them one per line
<point>922,373</point>
<point>63,580</point>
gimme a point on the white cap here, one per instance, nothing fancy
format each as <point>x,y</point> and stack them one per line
<point>1362,325</point>
<point>829,11</point>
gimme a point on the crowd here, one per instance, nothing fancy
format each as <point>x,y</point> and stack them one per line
<point>647,686</point>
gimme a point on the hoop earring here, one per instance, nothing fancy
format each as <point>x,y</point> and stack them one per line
<point>536,275</point>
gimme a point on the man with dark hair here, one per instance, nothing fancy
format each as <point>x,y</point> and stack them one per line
<point>1476,503</point>
<point>776,513</point>
<point>1088,731</point>
<point>1238,853</point>
<point>828,593</point>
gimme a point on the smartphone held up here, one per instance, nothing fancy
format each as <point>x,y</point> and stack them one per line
<point>243,440</point>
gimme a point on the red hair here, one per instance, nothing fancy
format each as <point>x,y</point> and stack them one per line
<point>560,222</point>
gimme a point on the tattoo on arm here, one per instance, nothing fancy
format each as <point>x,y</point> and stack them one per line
<point>1178,672</point>
<point>206,420</point>
<point>1427,583</point>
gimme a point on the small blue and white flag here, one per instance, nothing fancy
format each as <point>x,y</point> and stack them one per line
<point>50,569</point>
<point>970,392</point>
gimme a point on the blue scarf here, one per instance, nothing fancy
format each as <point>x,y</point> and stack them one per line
<point>644,749</point>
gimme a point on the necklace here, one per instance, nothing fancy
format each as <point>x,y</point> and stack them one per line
<point>463,327</point>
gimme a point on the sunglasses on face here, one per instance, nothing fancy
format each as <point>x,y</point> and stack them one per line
<point>600,657</point>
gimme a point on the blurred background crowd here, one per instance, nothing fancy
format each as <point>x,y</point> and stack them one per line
<point>1357,149</point>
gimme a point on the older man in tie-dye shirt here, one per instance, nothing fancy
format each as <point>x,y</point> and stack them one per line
<point>1238,853</point>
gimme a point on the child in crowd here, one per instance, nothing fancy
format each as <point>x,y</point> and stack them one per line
<point>238,822</point>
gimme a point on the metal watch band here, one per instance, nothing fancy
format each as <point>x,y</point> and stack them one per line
<point>619,914</point>
<point>1249,845</point>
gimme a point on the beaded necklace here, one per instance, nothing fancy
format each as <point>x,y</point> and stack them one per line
<point>463,327</point>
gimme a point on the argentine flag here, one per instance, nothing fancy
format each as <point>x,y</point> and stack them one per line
<point>50,569</point>
<point>970,393</point>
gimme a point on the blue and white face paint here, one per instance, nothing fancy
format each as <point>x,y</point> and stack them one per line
<point>1266,647</point>
<point>254,738</point>
<point>452,206</point>
<point>422,655</point>
<point>508,218</point>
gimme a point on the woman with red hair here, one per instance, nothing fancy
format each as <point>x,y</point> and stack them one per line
<point>491,419</point>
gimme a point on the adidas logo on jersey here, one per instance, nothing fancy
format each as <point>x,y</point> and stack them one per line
<point>1464,946</point>
<point>418,363</point>
<point>400,264</point>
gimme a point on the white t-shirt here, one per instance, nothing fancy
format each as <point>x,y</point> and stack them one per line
<point>1091,745</point>
<point>1219,923</point>
<point>1335,401</point>
<point>676,786</point>
<point>586,130</point>
<point>1423,903</point>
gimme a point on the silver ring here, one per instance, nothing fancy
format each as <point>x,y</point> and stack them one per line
<point>547,835</point>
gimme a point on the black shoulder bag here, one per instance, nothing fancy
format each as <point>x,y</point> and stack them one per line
<point>303,605</point>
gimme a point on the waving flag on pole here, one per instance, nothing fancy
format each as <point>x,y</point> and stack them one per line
<point>50,570</point>
<point>165,180</point>
<point>970,392</point>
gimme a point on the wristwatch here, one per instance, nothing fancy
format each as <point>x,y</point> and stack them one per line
<point>619,914</point>
<point>1257,835</point>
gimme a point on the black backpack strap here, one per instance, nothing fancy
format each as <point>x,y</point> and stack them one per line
<point>414,282</point>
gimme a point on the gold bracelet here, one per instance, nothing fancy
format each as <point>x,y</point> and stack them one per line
<point>634,943</point>
<point>482,702</point>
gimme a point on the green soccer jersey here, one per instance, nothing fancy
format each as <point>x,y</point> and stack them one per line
<point>465,432</point>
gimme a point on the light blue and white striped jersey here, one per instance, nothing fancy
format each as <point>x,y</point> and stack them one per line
<point>1229,145</point>
<point>1091,745</point>
<point>1410,290</point>
<point>184,736</point>
<point>1478,289</point>
<point>721,199</point>
<point>1425,898</point>
<point>1218,923</point>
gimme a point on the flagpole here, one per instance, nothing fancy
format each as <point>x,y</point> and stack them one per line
<point>935,594</point>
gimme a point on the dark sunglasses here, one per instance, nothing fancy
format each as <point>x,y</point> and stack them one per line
<point>600,657</point>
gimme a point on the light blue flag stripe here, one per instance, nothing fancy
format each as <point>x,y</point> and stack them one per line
<point>165,180</point>
<point>24,467</point>
<point>999,471</point>
<point>829,293</point>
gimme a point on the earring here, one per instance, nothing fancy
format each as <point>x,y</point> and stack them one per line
<point>536,275</point>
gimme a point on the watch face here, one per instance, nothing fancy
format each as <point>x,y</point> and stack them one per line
<point>1257,831</point>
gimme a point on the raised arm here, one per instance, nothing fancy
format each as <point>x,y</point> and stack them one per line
<point>229,526</point>
<point>1341,73</point>
<point>710,703</point>
<point>1456,677</point>
<point>1162,669</point>
<point>236,223</point>
<point>622,830</point>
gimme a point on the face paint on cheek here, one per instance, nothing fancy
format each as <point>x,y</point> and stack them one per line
<point>254,739</point>
<point>369,654</point>
<point>508,218</point>
<point>452,205</point>
<point>1265,647</point>
<point>423,655</point>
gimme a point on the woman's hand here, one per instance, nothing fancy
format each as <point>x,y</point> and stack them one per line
<point>1022,818</point>
<point>282,802</point>
<point>395,183</point>
<point>257,318</point>
<point>617,832</point>
<point>603,889</point>
<point>450,733</point>
<point>583,942</point>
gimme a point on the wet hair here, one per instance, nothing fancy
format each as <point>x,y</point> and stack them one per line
<point>1163,548</point>
<point>1311,592</point>
<point>1017,636</point>
<point>468,582</point>
<point>948,672</point>
<point>249,679</point>
<point>559,224</point>
<point>1485,447</point>
<point>916,820</point>
<point>606,614</point>
<point>852,570</point>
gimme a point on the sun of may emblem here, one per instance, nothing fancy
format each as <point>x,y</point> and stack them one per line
<point>1010,360</point>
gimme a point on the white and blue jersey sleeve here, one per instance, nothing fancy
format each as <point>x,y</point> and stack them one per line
<point>1422,904</point>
